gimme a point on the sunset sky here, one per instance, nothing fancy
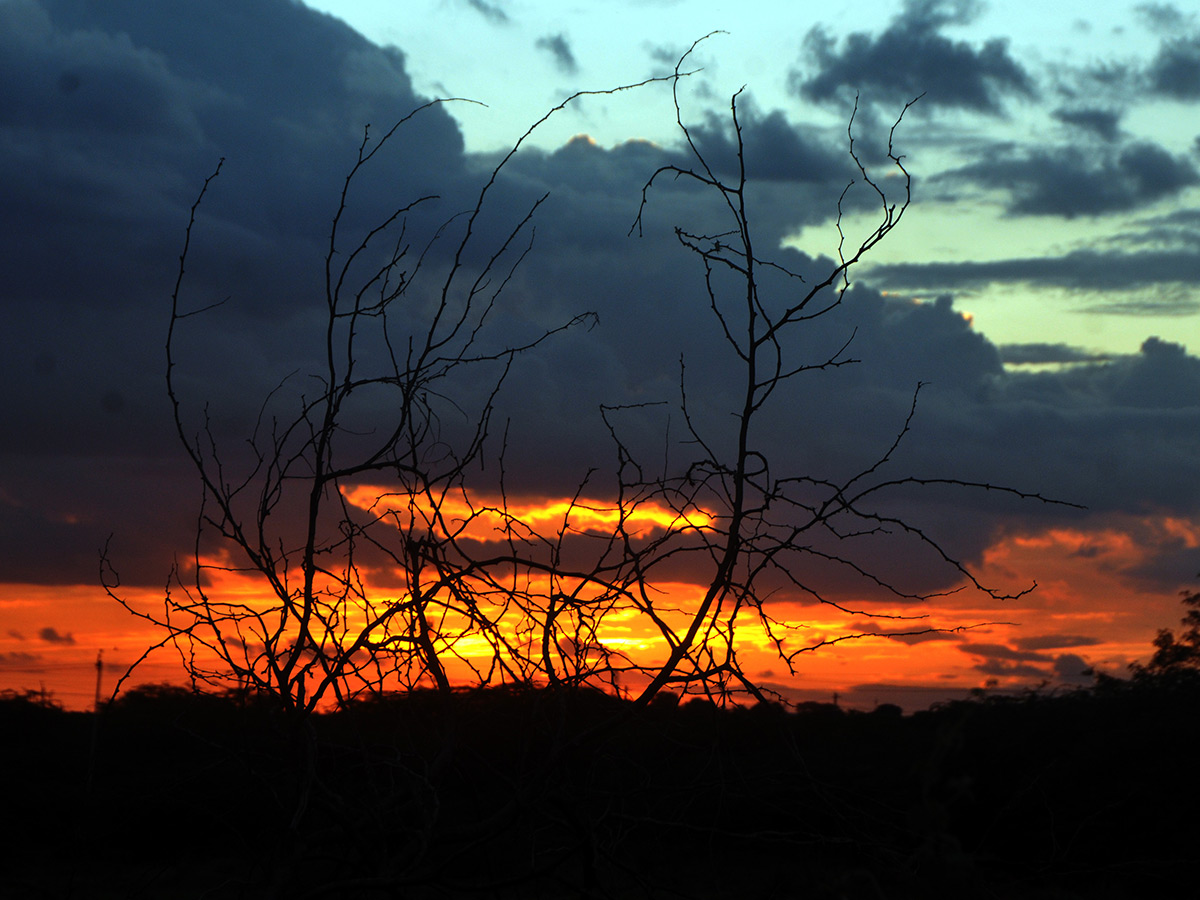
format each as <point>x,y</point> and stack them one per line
<point>1043,284</point>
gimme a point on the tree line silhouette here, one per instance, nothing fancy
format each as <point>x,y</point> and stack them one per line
<point>524,792</point>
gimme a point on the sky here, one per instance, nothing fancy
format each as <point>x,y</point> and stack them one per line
<point>1042,285</point>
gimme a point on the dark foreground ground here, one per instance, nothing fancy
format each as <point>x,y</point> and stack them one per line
<point>517,794</point>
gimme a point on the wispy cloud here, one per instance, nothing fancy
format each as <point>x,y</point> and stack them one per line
<point>1054,641</point>
<point>52,636</point>
<point>21,661</point>
<point>493,12</point>
<point>558,48</point>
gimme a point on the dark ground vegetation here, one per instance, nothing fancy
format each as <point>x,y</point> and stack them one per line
<point>540,794</point>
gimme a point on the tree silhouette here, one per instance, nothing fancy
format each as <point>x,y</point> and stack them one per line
<point>1178,653</point>
<point>407,344</point>
<point>764,529</point>
<point>280,510</point>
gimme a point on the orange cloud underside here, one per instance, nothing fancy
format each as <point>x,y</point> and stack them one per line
<point>1084,594</point>
<point>493,520</point>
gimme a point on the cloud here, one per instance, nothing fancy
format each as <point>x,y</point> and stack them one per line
<point>1070,181</point>
<point>1002,651</point>
<point>152,107</point>
<point>21,661</point>
<point>1002,661</point>
<point>1072,669</point>
<point>112,122</point>
<point>1163,17</point>
<point>1003,669</point>
<point>556,45</point>
<point>774,149</point>
<point>1038,354</point>
<point>1104,123</point>
<point>1084,270</point>
<point>1134,409</point>
<point>1054,641</point>
<point>1116,85</point>
<point>493,12</point>
<point>1175,70</point>
<point>911,57</point>
<point>51,636</point>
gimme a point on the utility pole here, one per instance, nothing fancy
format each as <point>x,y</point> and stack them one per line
<point>91,766</point>
<point>99,671</point>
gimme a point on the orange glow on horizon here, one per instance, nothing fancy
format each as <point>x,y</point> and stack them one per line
<point>1089,605</point>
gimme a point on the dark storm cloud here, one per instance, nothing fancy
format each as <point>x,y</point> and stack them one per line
<point>1173,565</point>
<point>1100,435</point>
<point>1092,270</point>
<point>1071,181</point>
<point>152,97</point>
<point>1164,373</point>
<point>1114,437</point>
<point>1006,662</point>
<point>111,117</point>
<point>998,668</point>
<point>51,636</point>
<point>901,342</point>
<point>911,57</point>
<point>1175,70</point>
<point>1178,229</point>
<point>1104,123</point>
<point>774,149</point>
<point>558,48</point>
<point>649,303</point>
<point>1036,354</point>
<point>65,505</point>
<point>97,208</point>
<point>1165,301</point>
<point>1002,651</point>
<point>1055,641</point>
<point>1070,668</point>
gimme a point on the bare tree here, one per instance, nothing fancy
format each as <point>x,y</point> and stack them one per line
<point>732,513</point>
<point>373,461</point>
<point>300,510</point>
<point>281,513</point>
